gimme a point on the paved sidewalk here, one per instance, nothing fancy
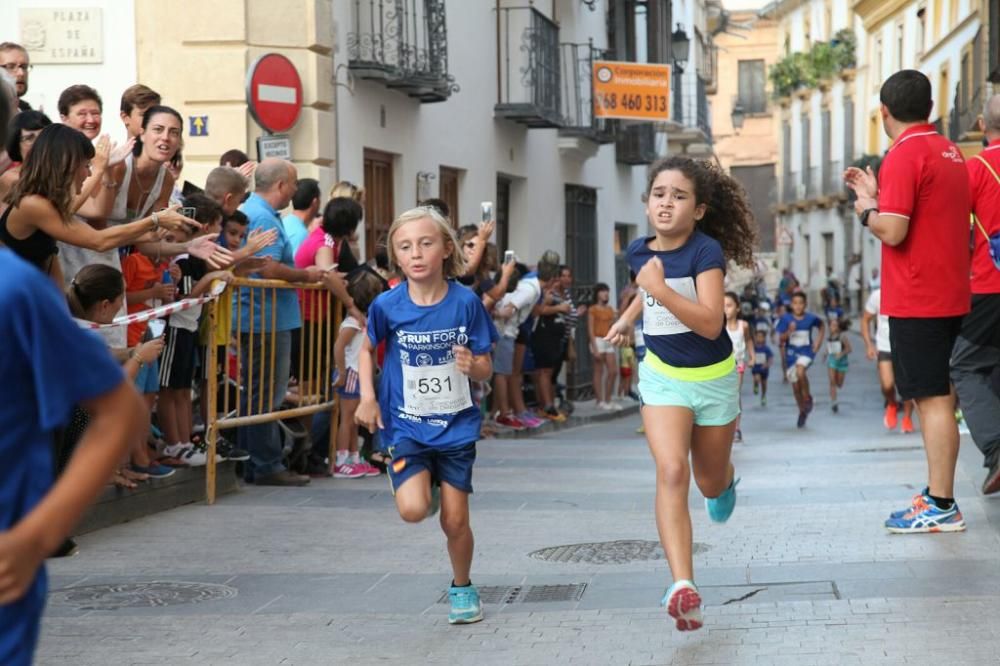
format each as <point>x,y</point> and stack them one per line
<point>804,573</point>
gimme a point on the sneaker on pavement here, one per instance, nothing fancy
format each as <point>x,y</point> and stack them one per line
<point>186,453</point>
<point>891,417</point>
<point>154,470</point>
<point>756,389</point>
<point>226,449</point>
<point>992,482</point>
<point>530,421</point>
<point>913,502</point>
<point>282,478</point>
<point>738,436</point>
<point>683,603</point>
<point>348,471</point>
<point>721,507</point>
<point>368,468</point>
<point>835,407</point>
<point>801,423</point>
<point>554,414</point>
<point>465,606</point>
<point>907,426</point>
<point>925,516</point>
<point>763,401</point>
<point>202,447</point>
<point>510,421</point>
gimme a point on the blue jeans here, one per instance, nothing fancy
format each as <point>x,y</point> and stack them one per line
<point>263,441</point>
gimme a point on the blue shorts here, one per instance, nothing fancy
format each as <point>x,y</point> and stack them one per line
<point>452,466</point>
<point>714,402</point>
<point>148,379</point>
<point>352,385</point>
<point>503,356</point>
<point>761,371</point>
<point>20,624</point>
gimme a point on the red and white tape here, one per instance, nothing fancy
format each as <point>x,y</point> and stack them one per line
<point>160,312</point>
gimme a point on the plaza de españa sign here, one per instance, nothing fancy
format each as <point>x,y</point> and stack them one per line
<point>631,90</point>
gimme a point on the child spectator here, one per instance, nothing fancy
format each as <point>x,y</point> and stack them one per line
<point>599,319</point>
<point>762,357</point>
<point>177,371</point>
<point>837,349</point>
<point>363,285</point>
<point>796,332</point>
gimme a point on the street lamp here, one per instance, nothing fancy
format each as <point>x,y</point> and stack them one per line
<point>738,116</point>
<point>680,45</point>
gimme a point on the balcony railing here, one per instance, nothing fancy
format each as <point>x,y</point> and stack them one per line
<point>691,108</point>
<point>636,144</point>
<point>528,89</point>
<point>814,182</point>
<point>578,97</point>
<point>404,44</point>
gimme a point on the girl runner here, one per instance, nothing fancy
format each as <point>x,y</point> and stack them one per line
<point>837,349</point>
<point>688,379</point>
<point>438,337</point>
<point>739,334</point>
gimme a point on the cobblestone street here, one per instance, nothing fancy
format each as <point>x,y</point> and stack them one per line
<point>803,573</point>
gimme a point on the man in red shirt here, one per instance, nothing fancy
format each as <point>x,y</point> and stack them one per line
<point>919,208</point>
<point>977,351</point>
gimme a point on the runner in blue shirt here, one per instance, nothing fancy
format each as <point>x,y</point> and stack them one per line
<point>49,364</point>
<point>762,357</point>
<point>802,334</point>
<point>438,337</point>
<point>687,380</point>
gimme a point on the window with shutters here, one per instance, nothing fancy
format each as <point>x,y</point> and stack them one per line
<point>752,84</point>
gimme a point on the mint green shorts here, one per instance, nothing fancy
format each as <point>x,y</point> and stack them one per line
<point>714,402</point>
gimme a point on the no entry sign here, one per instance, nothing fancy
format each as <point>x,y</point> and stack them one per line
<point>274,92</point>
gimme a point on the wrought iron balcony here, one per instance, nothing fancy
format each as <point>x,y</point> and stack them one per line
<point>577,95</point>
<point>528,87</point>
<point>404,44</point>
<point>636,144</point>
<point>691,110</point>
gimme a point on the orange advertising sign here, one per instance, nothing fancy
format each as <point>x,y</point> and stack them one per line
<point>637,91</point>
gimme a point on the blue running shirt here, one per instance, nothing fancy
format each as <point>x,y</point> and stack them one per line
<point>48,365</point>
<point>422,395</point>
<point>674,343</point>
<point>801,340</point>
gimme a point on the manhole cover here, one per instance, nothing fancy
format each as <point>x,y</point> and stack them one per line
<point>526,594</point>
<point>140,595</point>
<point>888,449</point>
<point>607,552</point>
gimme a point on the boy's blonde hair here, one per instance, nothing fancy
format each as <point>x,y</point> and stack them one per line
<point>454,263</point>
<point>347,189</point>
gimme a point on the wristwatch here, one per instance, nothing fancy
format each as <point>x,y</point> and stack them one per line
<point>865,213</point>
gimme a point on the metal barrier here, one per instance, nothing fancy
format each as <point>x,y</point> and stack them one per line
<point>316,362</point>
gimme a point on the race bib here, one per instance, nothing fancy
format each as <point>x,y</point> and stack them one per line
<point>799,339</point>
<point>658,320</point>
<point>435,389</point>
<point>834,347</point>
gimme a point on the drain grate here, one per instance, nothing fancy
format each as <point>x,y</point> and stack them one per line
<point>888,449</point>
<point>607,552</point>
<point>139,595</point>
<point>526,594</point>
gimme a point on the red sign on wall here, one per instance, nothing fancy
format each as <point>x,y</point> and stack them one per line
<point>274,92</point>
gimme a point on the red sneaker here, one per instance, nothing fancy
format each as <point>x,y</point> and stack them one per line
<point>891,417</point>
<point>907,424</point>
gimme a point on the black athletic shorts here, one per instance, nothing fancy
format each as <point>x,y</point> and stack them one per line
<point>921,354</point>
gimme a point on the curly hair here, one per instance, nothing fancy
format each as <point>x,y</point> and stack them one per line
<point>728,218</point>
<point>50,169</point>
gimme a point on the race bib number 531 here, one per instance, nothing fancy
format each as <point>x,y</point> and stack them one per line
<point>435,389</point>
<point>658,320</point>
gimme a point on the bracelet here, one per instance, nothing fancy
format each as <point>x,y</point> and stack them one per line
<point>112,185</point>
<point>156,221</point>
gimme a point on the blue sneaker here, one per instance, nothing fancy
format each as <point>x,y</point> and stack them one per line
<point>913,502</point>
<point>683,603</point>
<point>154,471</point>
<point>465,606</point>
<point>721,507</point>
<point>925,516</point>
